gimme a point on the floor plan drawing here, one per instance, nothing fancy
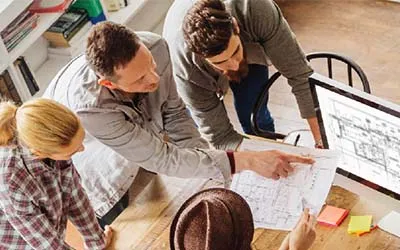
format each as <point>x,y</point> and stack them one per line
<point>368,139</point>
<point>279,204</point>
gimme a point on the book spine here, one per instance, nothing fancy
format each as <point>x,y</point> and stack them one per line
<point>77,28</point>
<point>14,24</point>
<point>17,39</point>
<point>13,93</point>
<point>28,22</point>
<point>4,93</point>
<point>72,29</point>
<point>27,76</point>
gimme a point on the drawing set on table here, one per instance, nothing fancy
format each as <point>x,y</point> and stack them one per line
<point>278,204</point>
<point>361,133</point>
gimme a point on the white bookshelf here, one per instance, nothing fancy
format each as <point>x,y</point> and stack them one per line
<point>34,47</point>
<point>9,10</point>
<point>43,23</point>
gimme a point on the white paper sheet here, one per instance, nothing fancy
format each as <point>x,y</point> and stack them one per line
<point>279,204</point>
<point>390,223</point>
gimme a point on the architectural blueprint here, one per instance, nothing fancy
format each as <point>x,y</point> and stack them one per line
<point>368,139</point>
<point>279,204</point>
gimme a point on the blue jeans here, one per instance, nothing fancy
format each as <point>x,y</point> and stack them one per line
<point>245,96</point>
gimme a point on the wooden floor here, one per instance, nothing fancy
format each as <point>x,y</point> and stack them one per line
<point>367,31</point>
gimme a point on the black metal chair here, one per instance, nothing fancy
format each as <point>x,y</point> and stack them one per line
<point>329,56</point>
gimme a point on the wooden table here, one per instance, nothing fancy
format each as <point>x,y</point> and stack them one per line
<point>155,199</point>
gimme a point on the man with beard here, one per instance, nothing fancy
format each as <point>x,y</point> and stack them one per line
<point>219,44</point>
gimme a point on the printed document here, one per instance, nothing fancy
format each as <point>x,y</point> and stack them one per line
<point>278,204</point>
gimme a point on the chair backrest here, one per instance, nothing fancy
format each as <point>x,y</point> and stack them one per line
<point>263,97</point>
<point>351,66</point>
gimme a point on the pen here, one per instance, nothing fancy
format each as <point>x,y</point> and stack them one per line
<point>296,140</point>
<point>372,229</point>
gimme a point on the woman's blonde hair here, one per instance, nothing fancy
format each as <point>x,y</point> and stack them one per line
<point>41,124</point>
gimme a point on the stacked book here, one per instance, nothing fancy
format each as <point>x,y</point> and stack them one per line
<point>19,28</point>
<point>76,45</point>
<point>72,23</point>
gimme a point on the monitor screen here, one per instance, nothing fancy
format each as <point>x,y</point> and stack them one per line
<point>364,128</point>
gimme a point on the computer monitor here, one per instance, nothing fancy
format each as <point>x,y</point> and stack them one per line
<point>364,128</point>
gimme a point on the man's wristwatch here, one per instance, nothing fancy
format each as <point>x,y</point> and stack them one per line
<point>319,144</point>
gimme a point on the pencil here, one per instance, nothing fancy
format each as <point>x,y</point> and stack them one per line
<point>296,140</point>
<point>372,228</point>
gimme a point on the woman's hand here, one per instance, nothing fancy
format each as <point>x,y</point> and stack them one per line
<point>108,232</point>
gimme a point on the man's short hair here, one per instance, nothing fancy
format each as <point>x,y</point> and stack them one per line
<point>208,27</point>
<point>110,46</point>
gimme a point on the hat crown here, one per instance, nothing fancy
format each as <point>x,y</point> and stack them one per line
<point>213,219</point>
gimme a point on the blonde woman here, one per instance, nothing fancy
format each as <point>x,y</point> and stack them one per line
<point>39,186</point>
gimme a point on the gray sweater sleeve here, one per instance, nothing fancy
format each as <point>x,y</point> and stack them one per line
<point>179,126</point>
<point>283,50</point>
<point>210,115</point>
<point>140,146</point>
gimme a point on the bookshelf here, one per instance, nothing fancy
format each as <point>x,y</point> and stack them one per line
<point>10,9</point>
<point>44,22</point>
<point>34,47</point>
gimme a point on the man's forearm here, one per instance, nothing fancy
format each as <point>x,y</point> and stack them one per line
<point>313,123</point>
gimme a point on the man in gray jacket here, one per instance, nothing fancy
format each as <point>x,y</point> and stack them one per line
<point>218,44</point>
<point>124,93</point>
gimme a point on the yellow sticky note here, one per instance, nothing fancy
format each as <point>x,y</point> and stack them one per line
<point>359,224</point>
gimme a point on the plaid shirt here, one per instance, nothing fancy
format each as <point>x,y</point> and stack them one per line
<point>36,199</point>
